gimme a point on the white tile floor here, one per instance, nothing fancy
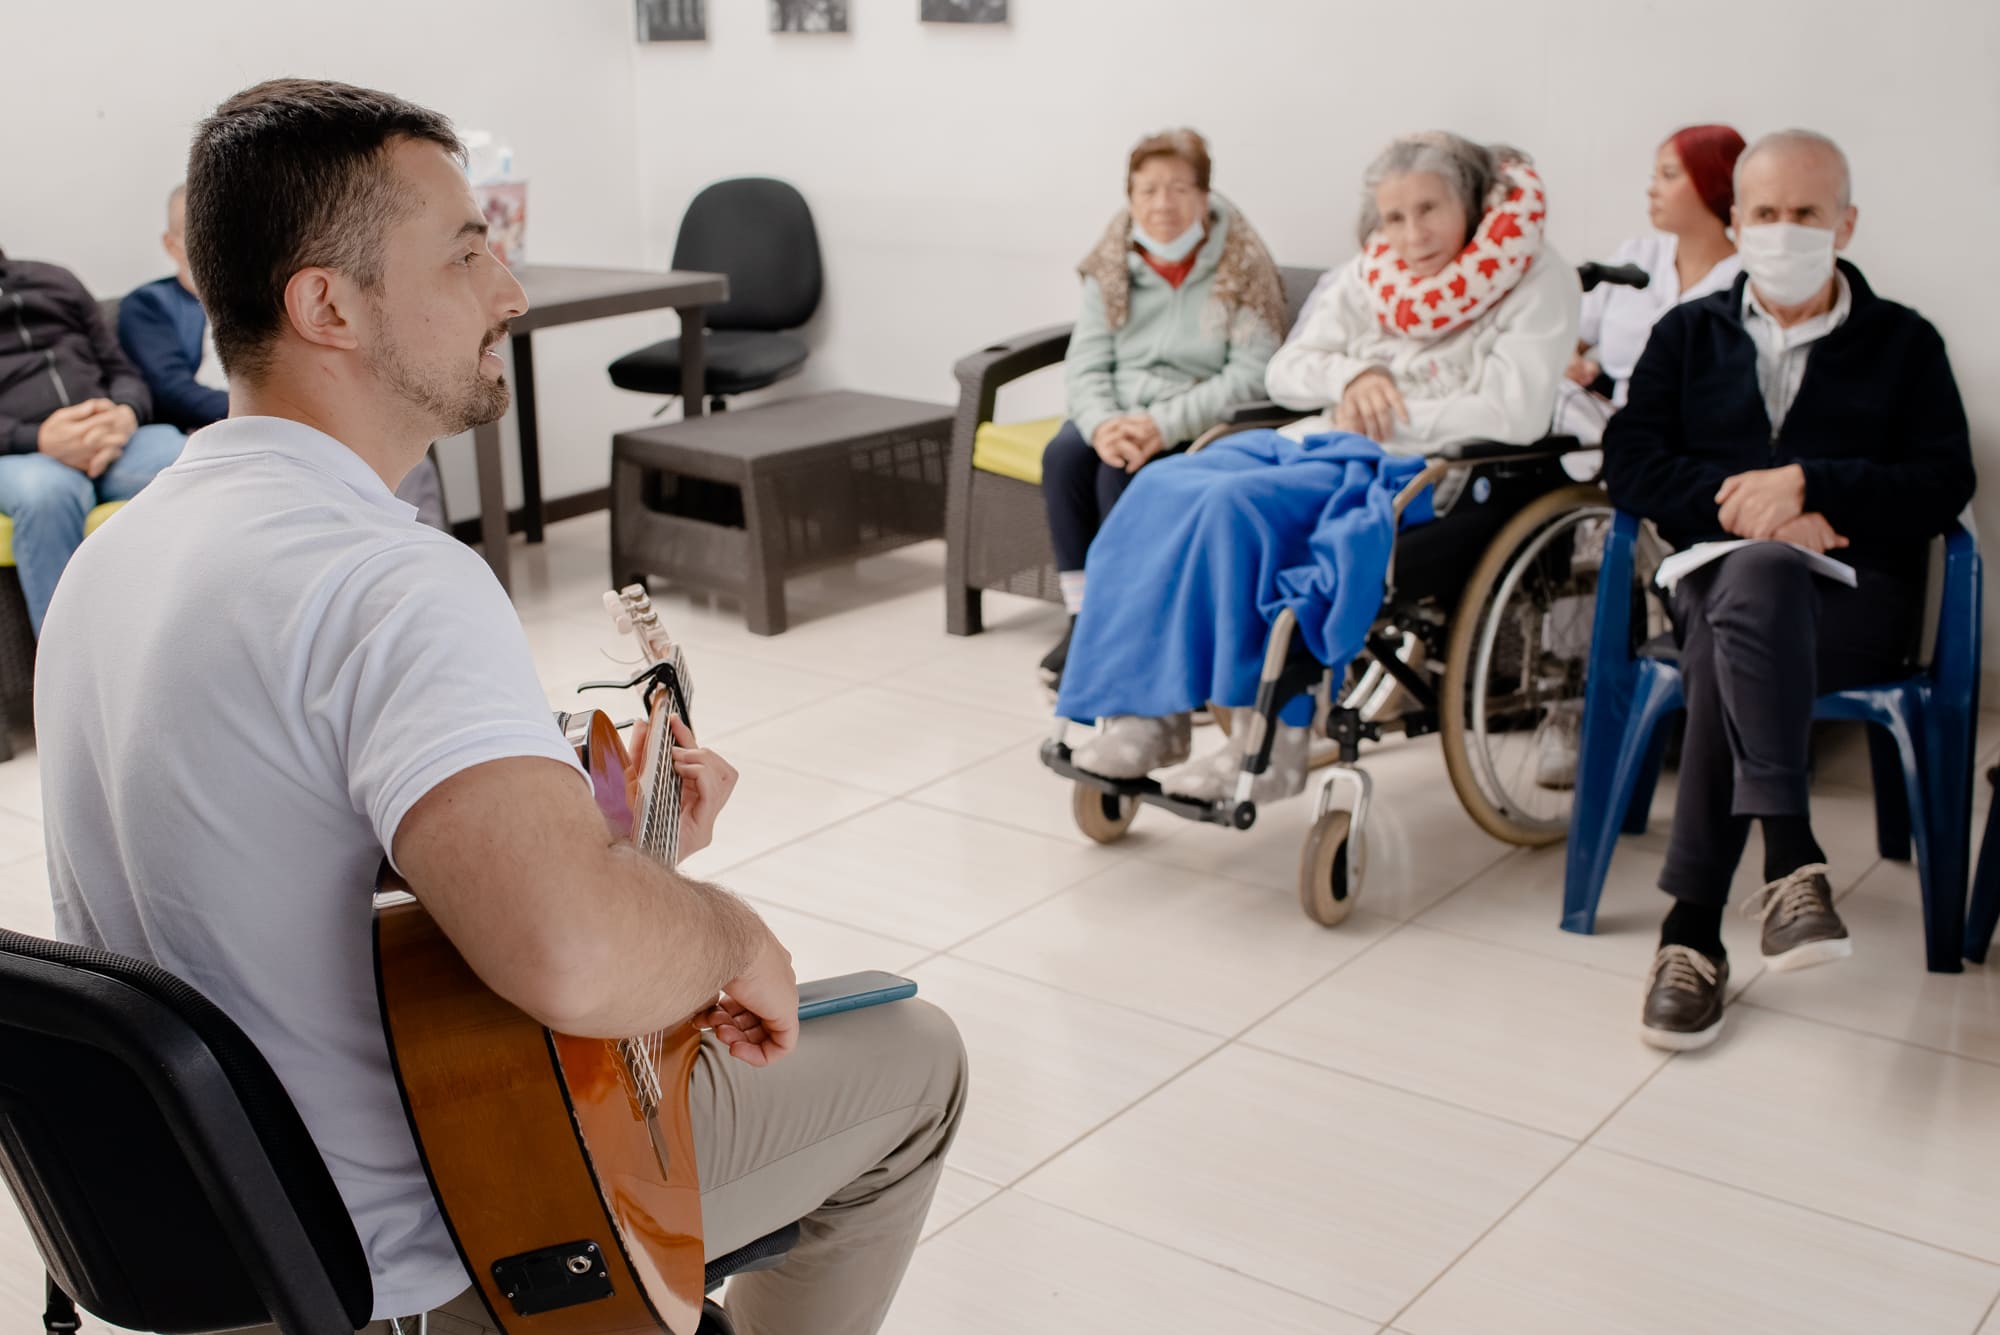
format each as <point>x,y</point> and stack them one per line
<point>1195,1111</point>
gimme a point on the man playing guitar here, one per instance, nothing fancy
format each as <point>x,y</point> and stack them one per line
<point>266,672</point>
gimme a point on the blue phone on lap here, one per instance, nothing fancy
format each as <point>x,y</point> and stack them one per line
<point>851,992</point>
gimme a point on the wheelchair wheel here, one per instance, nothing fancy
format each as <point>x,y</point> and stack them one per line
<point>1330,869</point>
<point>1103,816</point>
<point>1511,702</point>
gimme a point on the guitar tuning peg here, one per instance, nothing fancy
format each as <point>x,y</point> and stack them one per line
<point>613,603</point>
<point>633,592</point>
<point>623,623</point>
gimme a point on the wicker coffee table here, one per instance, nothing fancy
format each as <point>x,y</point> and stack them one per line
<point>734,502</point>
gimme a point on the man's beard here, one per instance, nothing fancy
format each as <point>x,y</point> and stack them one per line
<point>454,403</point>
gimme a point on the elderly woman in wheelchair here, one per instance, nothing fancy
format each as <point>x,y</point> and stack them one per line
<point>1432,359</point>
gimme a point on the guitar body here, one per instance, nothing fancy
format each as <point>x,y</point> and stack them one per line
<point>533,1142</point>
<point>564,1166</point>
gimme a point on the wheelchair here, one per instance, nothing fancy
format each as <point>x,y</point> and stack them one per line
<point>1491,656</point>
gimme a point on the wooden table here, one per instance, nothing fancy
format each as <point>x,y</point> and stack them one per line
<point>568,294</point>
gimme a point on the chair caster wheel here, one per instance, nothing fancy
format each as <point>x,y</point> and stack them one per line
<point>1102,816</point>
<point>1331,868</point>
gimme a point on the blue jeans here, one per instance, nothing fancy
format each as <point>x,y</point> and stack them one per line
<point>47,500</point>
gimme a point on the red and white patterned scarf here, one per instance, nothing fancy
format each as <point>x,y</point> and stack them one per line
<point>1502,248</point>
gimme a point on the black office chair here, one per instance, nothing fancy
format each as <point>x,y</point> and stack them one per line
<point>161,1167</point>
<point>760,232</point>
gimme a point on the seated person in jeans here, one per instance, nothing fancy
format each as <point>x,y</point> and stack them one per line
<point>165,333</point>
<point>73,422</point>
<point>1798,406</point>
<point>1453,324</point>
<point>1182,308</point>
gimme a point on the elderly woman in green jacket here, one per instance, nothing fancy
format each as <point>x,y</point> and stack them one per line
<point>1182,308</point>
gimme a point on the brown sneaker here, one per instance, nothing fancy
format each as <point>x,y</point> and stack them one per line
<point>1684,999</point>
<point>1800,927</point>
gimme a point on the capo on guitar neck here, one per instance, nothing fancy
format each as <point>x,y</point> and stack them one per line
<point>658,677</point>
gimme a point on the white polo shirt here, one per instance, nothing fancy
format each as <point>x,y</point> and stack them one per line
<point>245,681</point>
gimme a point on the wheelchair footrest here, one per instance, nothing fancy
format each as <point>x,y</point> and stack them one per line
<point>1227,812</point>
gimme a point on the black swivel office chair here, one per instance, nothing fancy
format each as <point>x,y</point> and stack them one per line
<point>760,232</point>
<point>161,1167</point>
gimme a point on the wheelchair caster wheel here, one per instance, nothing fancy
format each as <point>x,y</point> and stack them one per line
<point>1103,816</point>
<point>1331,868</point>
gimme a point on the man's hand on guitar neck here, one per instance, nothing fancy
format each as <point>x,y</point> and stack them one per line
<point>707,780</point>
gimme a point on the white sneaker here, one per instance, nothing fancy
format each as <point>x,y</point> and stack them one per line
<point>1212,777</point>
<point>1557,743</point>
<point>1131,747</point>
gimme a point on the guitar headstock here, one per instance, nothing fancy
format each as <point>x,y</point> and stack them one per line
<point>632,613</point>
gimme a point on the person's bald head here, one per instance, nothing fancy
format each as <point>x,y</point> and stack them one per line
<point>1795,176</point>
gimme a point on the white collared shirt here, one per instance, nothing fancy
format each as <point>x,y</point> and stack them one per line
<point>1617,320</point>
<point>247,678</point>
<point>1782,352</point>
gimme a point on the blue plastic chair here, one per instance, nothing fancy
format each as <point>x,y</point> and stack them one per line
<point>1985,915</point>
<point>1920,746</point>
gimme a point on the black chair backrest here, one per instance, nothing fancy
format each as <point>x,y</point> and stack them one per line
<point>759,232</point>
<point>158,1161</point>
<point>1298,284</point>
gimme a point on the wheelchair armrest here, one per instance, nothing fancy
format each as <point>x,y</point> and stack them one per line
<point>1258,412</point>
<point>1487,451</point>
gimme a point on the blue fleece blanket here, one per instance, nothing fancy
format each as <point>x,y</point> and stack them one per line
<point>1191,568</point>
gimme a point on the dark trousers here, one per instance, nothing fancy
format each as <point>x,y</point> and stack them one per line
<point>1761,638</point>
<point>1079,489</point>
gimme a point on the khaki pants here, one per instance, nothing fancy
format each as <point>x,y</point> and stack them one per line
<point>847,1135</point>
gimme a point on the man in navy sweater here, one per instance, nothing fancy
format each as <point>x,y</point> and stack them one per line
<point>1798,406</point>
<point>164,331</point>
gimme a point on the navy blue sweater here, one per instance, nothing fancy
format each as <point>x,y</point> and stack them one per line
<point>1877,428</point>
<point>160,326</point>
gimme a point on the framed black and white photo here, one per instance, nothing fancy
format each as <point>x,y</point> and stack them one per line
<point>963,11</point>
<point>808,15</point>
<point>672,20</point>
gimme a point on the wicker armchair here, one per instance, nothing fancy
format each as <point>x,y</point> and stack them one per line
<point>996,529</point>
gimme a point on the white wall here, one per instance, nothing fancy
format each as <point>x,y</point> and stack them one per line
<point>101,98</point>
<point>957,174</point>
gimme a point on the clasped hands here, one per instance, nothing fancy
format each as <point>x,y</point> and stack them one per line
<point>88,436</point>
<point>1770,503</point>
<point>1127,442</point>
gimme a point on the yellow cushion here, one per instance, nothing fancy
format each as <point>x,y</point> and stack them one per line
<point>91,523</point>
<point>1014,449</point>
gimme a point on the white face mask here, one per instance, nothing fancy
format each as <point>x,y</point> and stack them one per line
<point>1788,263</point>
<point>1176,250</point>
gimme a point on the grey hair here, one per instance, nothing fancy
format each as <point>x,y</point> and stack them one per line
<point>1469,169</point>
<point>1808,139</point>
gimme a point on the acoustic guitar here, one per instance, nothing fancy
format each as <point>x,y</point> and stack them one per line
<point>564,1166</point>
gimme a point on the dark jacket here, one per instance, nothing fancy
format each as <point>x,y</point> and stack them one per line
<point>160,326</point>
<point>55,351</point>
<point>1877,427</point>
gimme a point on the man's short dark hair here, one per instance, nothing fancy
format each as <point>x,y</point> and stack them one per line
<point>289,175</point>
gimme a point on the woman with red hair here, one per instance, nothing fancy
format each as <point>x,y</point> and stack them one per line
<point>1689,256</point>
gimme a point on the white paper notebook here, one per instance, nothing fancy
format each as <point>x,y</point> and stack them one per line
<point>1677,567</point>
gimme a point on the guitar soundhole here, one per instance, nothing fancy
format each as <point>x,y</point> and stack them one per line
<point>553,1277</point>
